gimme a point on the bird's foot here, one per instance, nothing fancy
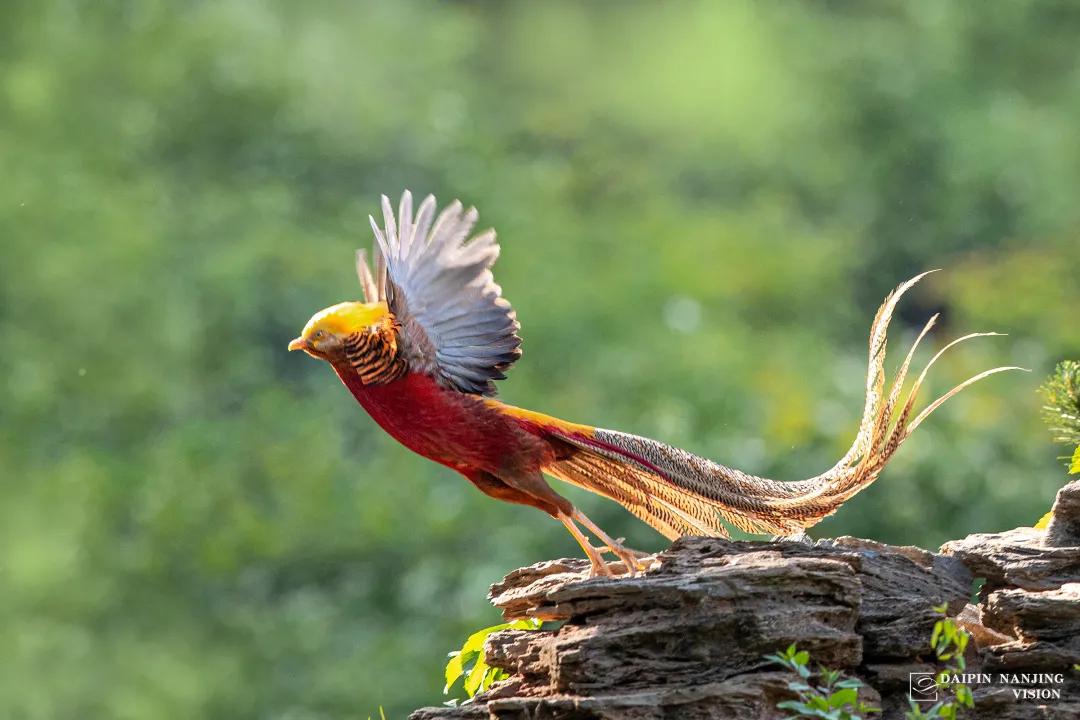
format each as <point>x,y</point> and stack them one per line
<point>629,561</point>
<point>632,560</point>
<point>599,568</point>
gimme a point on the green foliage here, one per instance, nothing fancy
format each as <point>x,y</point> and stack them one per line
<point>1061,412</point>
<point>831,697</point>
<point>469,662</point>
<point>948,641</point>
<point>1061,409</point>
<point>696,231</point>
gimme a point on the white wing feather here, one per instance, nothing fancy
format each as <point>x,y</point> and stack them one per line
<point>455,324</point>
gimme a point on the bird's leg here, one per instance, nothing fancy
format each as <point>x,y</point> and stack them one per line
<point>637,554</point>
<point>599,567</point>
<point>532,489</point>
<point>631,558</point>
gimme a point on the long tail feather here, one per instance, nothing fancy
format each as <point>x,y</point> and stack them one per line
<point>679,493</point>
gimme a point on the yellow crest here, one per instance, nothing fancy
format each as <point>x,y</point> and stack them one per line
<point>346,318</point>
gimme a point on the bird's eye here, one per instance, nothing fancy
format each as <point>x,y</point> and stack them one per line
<point>318,335</point>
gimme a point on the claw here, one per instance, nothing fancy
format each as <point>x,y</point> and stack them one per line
<point>631,560</point>
<point>599,569</point>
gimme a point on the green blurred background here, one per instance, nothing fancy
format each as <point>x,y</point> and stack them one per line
<point>700,207</point>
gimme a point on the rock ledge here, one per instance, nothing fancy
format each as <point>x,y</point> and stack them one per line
<point>687,638</point>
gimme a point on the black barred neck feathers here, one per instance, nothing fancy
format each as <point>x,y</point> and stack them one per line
<point>374,354</point>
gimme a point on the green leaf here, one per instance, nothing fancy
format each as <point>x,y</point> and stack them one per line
<point>490,677</point>
<point>476,640</point>
<point>1044,521</point>
<point>936,634</point>
<point>1074,466</point>
<point>475,677</point>
<point>473,649</point>
<point>796,705</point>
<point>850,683</point>
<point>524,624</point>
<point>454,669</point>
<point>842,697</point>
<point>914,712</point>
<point>801,658</point>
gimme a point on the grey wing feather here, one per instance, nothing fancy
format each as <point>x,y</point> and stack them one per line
<point>455,324</point>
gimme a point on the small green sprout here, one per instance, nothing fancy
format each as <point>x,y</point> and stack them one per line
<point>948,641</point>
<point>470,662</point>
<point>832,698</point>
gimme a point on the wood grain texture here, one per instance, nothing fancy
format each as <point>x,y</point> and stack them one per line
<point>686,639</point>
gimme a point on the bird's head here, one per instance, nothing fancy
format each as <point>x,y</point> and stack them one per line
<point>324,335</point>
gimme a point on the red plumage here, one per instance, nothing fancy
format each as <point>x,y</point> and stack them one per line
<point>455,429</point>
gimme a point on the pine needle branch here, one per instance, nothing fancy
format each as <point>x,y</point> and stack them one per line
<point>1061,398</point>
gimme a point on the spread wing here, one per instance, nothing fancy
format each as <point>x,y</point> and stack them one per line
<point>455,324</point>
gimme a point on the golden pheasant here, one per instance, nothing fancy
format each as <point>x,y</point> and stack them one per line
<point>421,354</point>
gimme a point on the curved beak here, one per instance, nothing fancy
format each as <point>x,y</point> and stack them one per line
<point>298,344</point>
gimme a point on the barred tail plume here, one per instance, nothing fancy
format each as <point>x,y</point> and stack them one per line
<point>679,493</point>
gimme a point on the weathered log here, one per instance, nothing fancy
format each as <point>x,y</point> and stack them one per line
<point>1064,527</point>
<point>1016,558</point>
<point>687,638</point>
